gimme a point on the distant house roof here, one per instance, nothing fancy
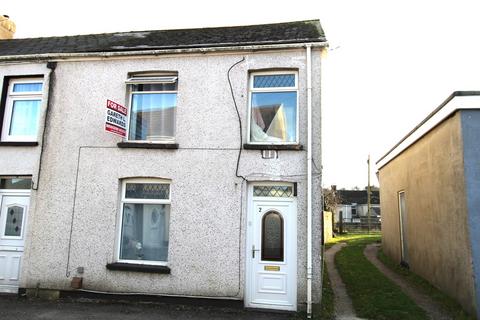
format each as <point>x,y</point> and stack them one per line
<point>278,33</point>
<point>358,196</point>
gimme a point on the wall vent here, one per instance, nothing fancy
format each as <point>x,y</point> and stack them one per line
<point>269,154</point>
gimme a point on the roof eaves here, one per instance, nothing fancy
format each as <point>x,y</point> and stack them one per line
<point>142,51</point>
<point>398,148</point>
<point>217,45</point>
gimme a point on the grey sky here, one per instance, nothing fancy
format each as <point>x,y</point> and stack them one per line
<point>390,62</point>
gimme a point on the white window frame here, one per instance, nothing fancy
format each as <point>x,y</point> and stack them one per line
<point>141,201</point>
<point>150,80</point>
<point>20,96</point>
<point>252,90</point>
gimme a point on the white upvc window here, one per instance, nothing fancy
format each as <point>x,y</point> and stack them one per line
<point>144,222</point>
<point>273,108</point>
<point>22,109</point>
<point>153,104</point>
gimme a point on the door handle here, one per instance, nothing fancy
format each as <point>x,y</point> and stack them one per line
<point>253,251</point>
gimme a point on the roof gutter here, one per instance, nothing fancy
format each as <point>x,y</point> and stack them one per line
<point>156,52</point>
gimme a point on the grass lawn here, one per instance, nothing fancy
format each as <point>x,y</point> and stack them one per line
<point>450,305</point>
<point>347,237</point>
<point>373,295</point>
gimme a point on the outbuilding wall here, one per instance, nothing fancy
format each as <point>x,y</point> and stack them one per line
<point>75,221</point>
<point>471,158</point>
<point>431,173</point>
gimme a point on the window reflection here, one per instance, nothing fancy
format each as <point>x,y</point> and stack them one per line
<point>145,232</point>
<point>274,117</point>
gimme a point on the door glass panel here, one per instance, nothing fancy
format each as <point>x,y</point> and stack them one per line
<point>13,225</point>
<point>273,191</point>
<point>15,183</point>
<point>272,237</point>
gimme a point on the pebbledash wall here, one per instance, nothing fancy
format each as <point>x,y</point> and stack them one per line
<point>75,211</point>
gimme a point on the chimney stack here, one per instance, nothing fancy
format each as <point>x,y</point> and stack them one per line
<point>7,27</point>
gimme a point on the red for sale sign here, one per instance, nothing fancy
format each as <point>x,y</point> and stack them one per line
<point>116,119</point>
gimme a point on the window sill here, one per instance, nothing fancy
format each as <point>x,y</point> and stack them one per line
<point>118,266</point>
<point>147,145</point>
<point>295,147</point>
<point>18,143</point>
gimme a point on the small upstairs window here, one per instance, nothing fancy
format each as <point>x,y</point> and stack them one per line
<point>22,110</point>
<point>153,103</point>
<point>273,108</point>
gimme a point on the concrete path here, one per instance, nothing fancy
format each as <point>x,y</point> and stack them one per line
<point>343,304</point>
<point>433,310</point>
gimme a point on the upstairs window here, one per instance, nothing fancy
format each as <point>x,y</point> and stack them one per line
<point>22,110</point>
<point>153,103</point>
<point>273,108</point>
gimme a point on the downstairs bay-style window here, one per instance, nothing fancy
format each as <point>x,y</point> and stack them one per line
<point>21,112</point>
<point>145,216</point>
<point>153,103</point>
<point>273,108</point>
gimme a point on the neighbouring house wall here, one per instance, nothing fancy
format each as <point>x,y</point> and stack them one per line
<point>83,166</point>
<point>25,160</point>
<point>431,174</point>
<point>471,158</point>
<point>362,210</point>
<point>16,160</point>
<point>327,226</point>
<point>346,212</point>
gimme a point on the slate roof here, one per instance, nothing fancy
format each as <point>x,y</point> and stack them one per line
<point>358,196</point>
<point>278,33</point>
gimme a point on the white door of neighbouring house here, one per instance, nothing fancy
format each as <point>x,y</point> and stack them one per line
<point>13,220</point>
<point>271,255</point>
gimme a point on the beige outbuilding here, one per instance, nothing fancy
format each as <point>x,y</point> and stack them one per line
<point>429,199</point>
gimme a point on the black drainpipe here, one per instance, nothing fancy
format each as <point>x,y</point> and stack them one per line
<point>51,83</point>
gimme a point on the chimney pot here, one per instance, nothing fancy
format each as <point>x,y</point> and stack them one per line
<point>7,27</point>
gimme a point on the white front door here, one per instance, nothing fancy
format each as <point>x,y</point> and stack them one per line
<point>13,219</point>
<point>272,254</point>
